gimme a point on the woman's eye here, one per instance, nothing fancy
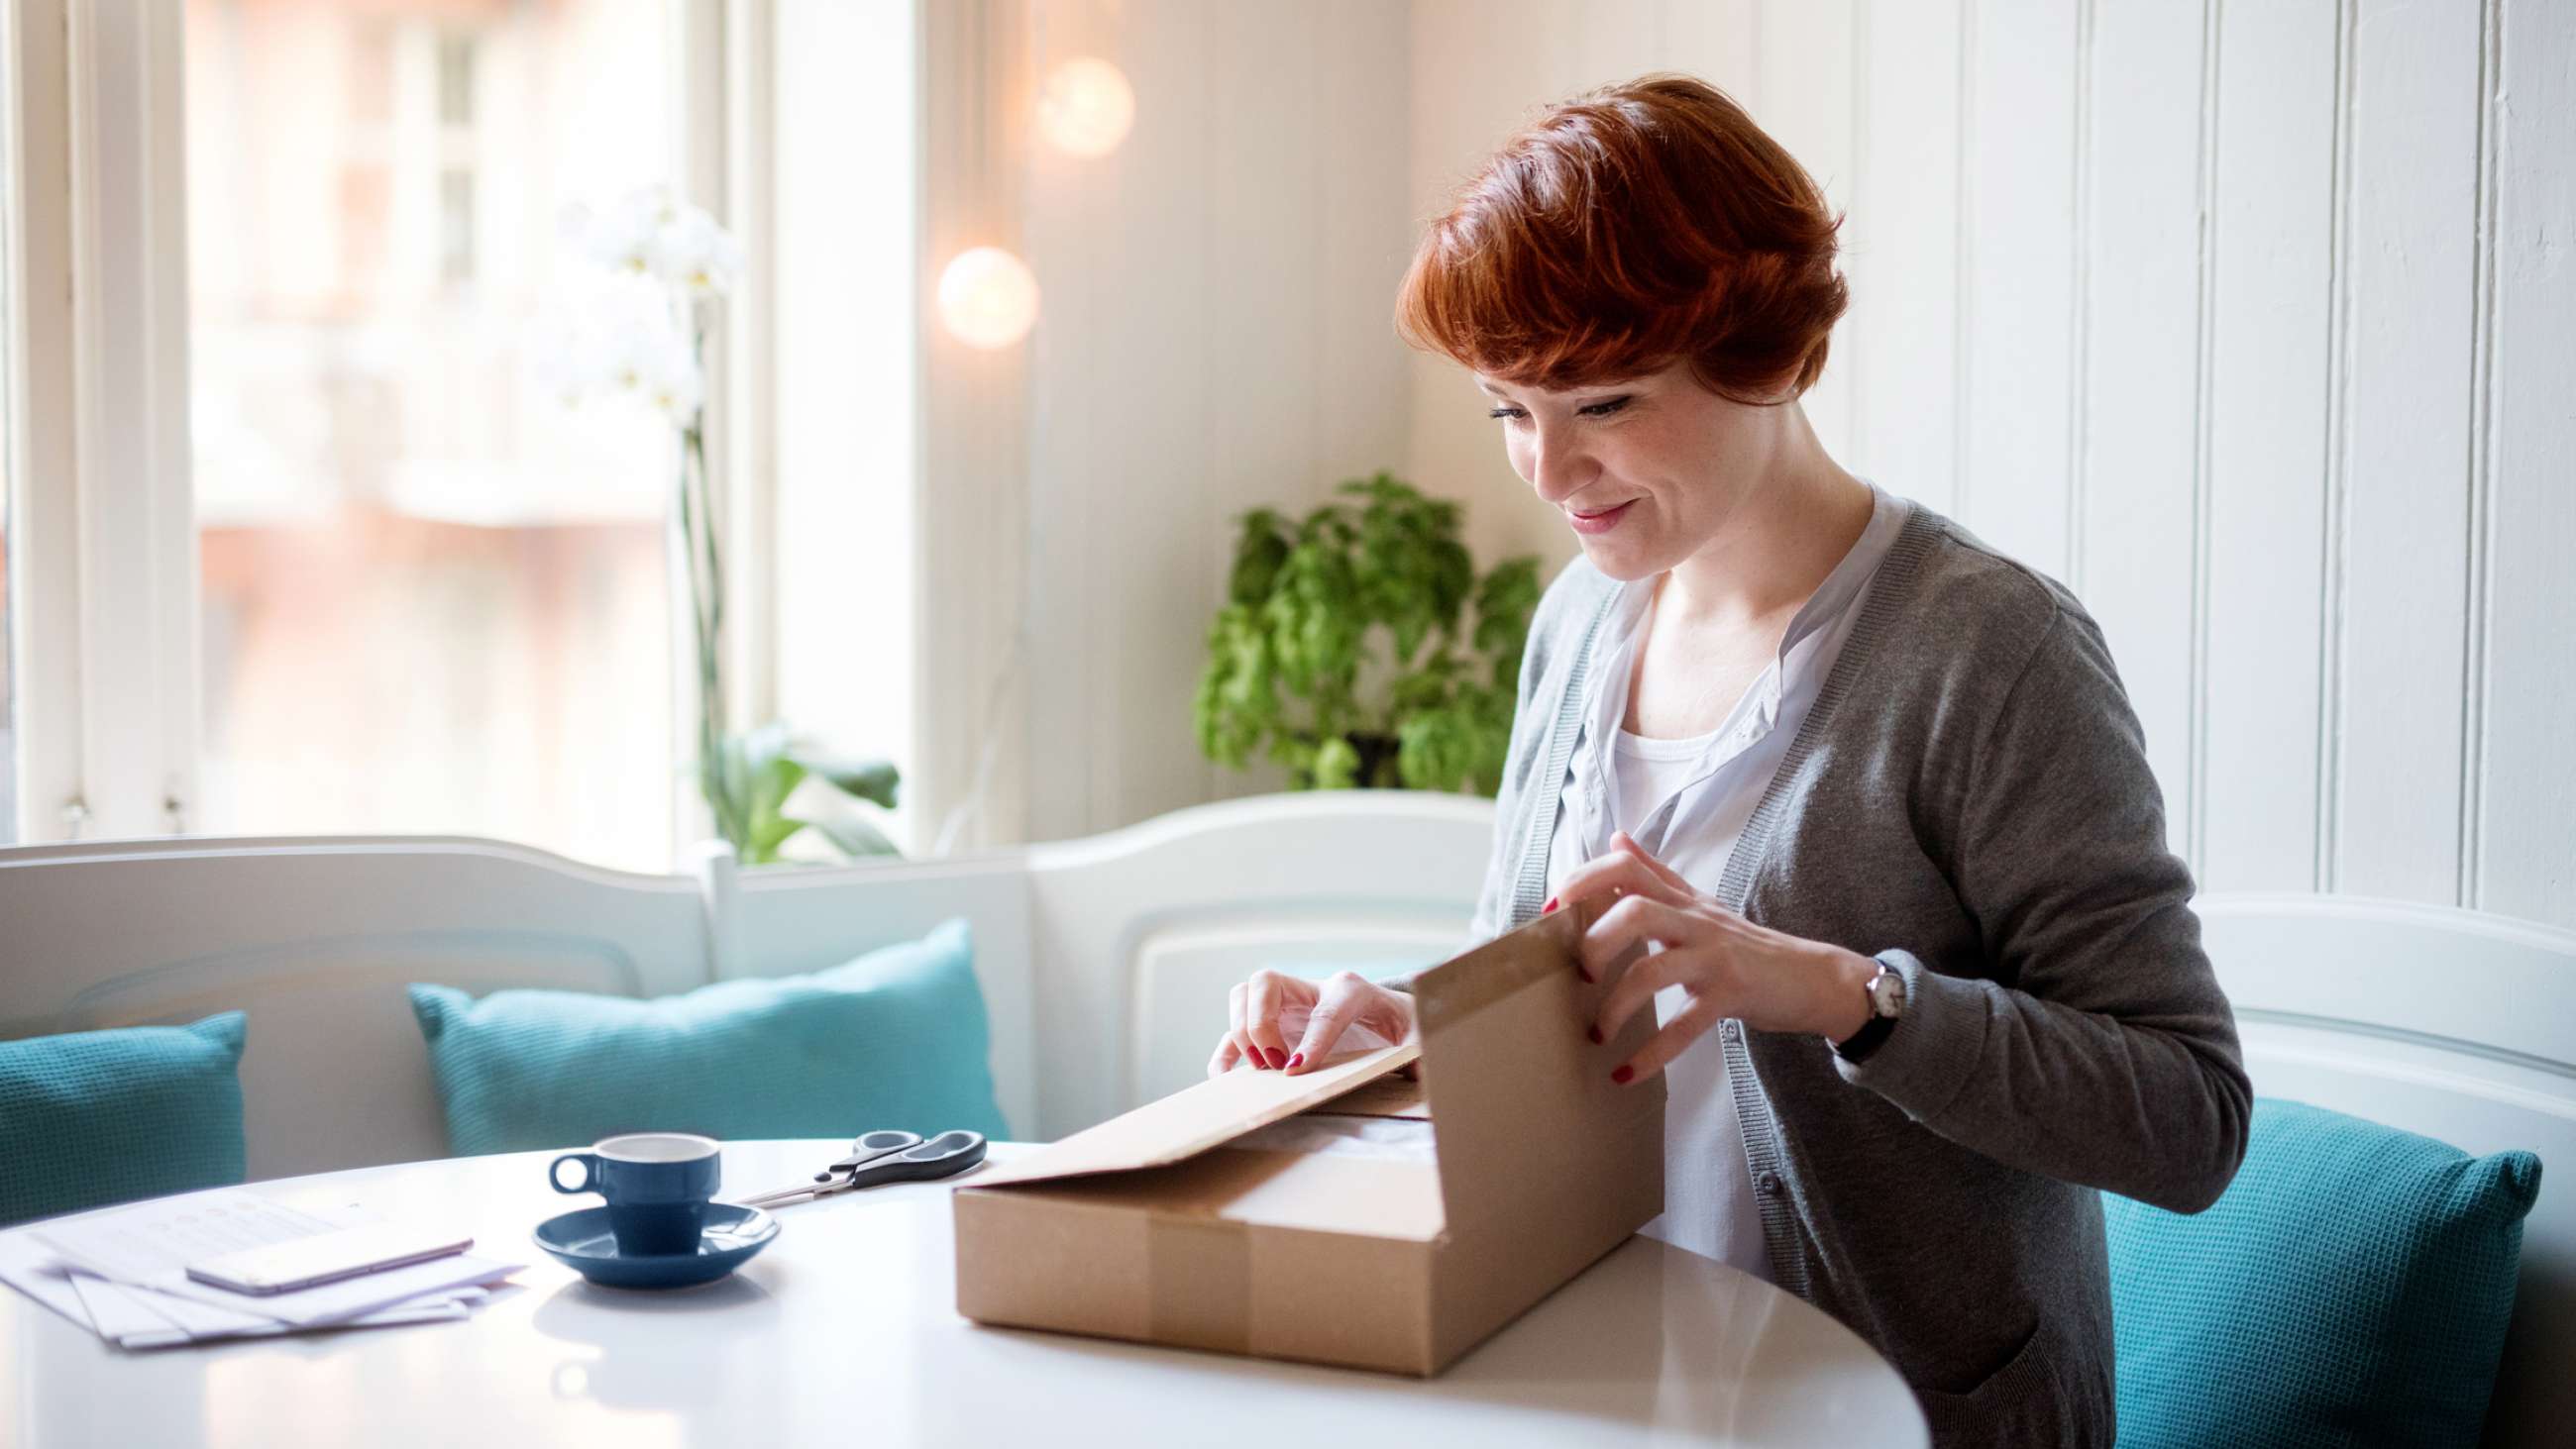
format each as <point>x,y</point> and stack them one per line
<point>1596,410</point>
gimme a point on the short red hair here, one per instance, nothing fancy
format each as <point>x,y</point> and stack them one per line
<point>1624,229</point>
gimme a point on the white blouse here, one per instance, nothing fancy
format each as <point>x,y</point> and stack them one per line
<point>1686,802</point>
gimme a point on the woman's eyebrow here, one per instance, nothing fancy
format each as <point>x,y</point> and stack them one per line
<point>1606,391</point>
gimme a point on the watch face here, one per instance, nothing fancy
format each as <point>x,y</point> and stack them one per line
<point>1887,993</point>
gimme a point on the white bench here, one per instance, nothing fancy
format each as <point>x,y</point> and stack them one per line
<point>1103,960</point>
<point>1105,963</point>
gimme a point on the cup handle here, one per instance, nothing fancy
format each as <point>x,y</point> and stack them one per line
<point>589,1172</point>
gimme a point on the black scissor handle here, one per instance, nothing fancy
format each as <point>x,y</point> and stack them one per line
<point>945,1155</point>
<point>868,1147</point>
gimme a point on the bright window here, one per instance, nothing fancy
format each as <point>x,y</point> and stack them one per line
<point>433,601</point>
<point>8,613</point>
<point>845,381</point>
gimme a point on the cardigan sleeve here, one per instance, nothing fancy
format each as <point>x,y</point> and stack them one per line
<point>2095,1045</point>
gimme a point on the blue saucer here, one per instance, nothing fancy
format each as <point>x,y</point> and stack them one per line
<point>582,1242</point>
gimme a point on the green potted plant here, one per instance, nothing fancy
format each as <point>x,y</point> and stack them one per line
<point>1358,647</point>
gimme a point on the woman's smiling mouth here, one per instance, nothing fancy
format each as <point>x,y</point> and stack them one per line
<point>1602,522</point>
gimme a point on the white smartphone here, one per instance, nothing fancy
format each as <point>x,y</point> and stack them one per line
<point>326,1258</point>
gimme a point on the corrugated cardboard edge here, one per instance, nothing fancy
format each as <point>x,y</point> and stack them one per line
<point>1393,1095</point>
<point>1545,1163</point>
<point>1194,1119</point>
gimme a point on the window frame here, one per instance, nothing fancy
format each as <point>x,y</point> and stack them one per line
<point>105,622</point>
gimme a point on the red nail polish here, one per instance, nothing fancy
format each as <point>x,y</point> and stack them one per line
<point>1551,905</point>
<point>1272,1059</point>
<point>1622,1075</point>
<point>1297,1060</point>
<point>1595,1033</point>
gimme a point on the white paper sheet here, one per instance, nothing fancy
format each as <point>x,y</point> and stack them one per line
<point>149,1245</point>
<point>128,1316</point>
<point>25,1266</point>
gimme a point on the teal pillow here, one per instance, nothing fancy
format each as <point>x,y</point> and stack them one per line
<point>98,1117</point>
<point>896,1038</point>
<point>2350,1287</point>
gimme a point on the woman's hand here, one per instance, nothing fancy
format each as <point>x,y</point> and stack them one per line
<point>1731,967</point>
<point>1270,1005</point>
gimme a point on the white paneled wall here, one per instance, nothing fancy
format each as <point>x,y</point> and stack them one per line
<point>1217,335</point>
<point>2246,320</point>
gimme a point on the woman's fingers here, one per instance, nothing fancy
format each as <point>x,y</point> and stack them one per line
<point>1635,989</point>
<point>1626,844</point>
<point>1344,996</point>
<point>1620,874</point>
<point>1237,1031</point>
<point>1671,1041</point>
<point>1264,996</point>
<point>1635,921</point>
<point>1227,1054</point>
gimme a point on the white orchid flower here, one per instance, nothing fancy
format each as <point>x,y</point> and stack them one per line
<point>622,236</point>
<point>651,362</point>
<point>696,255</point>
<point>658,257</point>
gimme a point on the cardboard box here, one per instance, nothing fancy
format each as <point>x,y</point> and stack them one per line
<point>1343,1216</point>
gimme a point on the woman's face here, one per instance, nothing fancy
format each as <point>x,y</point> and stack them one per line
<point>1647,472</point>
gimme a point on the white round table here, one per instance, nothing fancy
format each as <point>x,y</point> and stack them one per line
<point>845,1330</point>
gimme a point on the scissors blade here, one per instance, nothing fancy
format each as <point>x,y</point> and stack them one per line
<point>780,1197</point>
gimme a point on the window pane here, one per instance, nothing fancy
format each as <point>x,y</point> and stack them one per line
<point>435,601</point>
<point>8,613</point>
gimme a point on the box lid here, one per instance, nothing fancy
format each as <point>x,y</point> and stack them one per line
<point>1532,1130</point>
<point>1192,1120</point>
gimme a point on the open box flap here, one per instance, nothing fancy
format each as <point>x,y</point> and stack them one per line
<point>1531,1127</point>
<point>1192,1120</point>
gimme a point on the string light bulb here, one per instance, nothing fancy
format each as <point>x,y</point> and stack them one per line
<point>988,297</point>
<point>1086,107</point>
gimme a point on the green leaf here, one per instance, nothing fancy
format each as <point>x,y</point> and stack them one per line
<point>769,834</point>
<point>854,837</point>
<point>1258,553</point>
<point>765,825</point>
<point>876,781</point>
<point>1337,764</point>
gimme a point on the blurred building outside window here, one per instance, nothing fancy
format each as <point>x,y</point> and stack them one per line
<point>433,600</point>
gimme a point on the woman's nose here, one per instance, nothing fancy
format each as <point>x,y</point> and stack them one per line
<point>1558,469</point>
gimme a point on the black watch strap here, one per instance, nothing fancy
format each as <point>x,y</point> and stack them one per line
<point>1857,1046</point>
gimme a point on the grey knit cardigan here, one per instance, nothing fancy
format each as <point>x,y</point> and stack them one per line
<point>1969,801</point>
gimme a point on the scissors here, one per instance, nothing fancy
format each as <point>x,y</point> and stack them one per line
<point>881,1157</point>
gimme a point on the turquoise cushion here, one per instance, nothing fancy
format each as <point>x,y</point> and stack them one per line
<point>2350,1287</point>
<point>97,1117</point>
<point>895,1038</point>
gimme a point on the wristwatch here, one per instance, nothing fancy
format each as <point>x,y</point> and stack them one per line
<point>1886,1004</point>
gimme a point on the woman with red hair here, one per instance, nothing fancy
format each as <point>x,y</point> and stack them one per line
<point>1868,793</point>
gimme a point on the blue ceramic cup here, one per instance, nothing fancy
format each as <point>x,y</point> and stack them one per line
<point>657,1185</point>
